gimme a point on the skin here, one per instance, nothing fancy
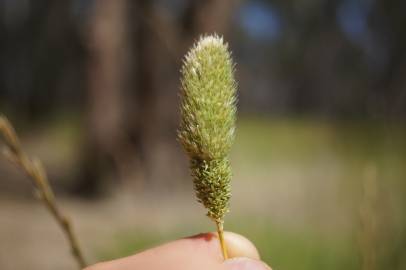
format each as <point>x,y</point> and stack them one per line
<point>200,252</point>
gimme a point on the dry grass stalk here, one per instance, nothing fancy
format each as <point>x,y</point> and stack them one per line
<point>36,172</point>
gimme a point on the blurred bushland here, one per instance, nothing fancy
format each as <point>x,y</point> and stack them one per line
<point>93,86</point>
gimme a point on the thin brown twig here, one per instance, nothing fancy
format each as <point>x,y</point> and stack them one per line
<point>36,172</point>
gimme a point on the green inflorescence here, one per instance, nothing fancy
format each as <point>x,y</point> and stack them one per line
<point>208,115</point>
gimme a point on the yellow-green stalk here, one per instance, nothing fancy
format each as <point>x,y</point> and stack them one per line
<point>208,115</point>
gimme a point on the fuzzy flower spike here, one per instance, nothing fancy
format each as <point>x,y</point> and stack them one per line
<point>208,115</point>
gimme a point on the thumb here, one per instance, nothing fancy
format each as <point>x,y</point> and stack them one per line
<point>243,254</point>
<point>239,246</point>
<point>242,263</point>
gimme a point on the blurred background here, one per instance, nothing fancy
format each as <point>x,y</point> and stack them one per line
<point>320,156</point>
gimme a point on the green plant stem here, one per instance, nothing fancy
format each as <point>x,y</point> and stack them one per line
<point>223,246</point>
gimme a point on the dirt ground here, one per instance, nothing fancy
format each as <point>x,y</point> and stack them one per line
<point>30,239</point>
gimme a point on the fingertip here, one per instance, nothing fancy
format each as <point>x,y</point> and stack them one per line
<point>245,264</point>
<point>236,244</point>
<point>240,246</point>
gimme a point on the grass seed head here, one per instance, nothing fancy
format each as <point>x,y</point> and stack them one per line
<point>208,115</point>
